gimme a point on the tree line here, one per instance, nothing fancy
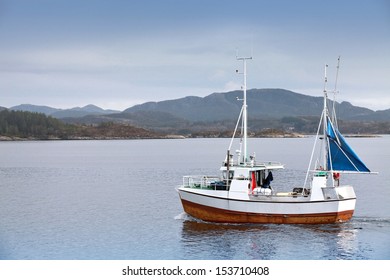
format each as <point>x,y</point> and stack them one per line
<point>28,124</point>
<point>22,124</point>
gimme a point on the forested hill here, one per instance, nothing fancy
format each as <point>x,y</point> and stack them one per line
<point>28,125</point>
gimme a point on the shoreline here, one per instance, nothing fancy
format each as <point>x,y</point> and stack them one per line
<point>167,137</point>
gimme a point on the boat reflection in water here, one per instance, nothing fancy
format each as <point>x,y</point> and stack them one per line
<point>200,240</point>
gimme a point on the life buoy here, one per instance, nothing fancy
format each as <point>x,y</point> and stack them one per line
<point>336,176</point>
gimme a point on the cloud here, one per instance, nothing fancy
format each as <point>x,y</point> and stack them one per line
<point>231,86</point>
<point>125,53</point>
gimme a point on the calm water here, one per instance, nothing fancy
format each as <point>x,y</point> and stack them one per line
<point>117,200</point>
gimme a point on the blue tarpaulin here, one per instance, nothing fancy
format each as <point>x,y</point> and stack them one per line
<point>341,157</point>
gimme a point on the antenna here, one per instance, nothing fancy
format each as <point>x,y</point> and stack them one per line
<point>252,46</point>
<point>334,119</point>
<point>337,74</point>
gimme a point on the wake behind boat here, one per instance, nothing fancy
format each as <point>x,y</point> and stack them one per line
<point>242,193</point>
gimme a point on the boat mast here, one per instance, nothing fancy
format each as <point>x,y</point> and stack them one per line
<point>324,119</point>
<point>244,112</point>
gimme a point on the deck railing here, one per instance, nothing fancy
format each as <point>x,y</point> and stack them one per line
<point>200,181</point>
<point>265,164</point>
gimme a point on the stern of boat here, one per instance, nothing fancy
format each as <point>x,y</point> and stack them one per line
<point>345,192</point>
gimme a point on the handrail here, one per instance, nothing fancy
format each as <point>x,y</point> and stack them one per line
<point>200,181</point>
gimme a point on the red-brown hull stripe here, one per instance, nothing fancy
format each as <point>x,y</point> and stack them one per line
<point>216,215</point>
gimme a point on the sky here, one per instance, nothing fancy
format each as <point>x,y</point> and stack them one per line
<point>116,53</point>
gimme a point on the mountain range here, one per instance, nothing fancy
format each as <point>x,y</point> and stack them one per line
<point>262,103</point>
<point>275,108</point>
<point>76,112</point>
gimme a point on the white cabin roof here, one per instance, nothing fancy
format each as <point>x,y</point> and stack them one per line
<point>255,166</point>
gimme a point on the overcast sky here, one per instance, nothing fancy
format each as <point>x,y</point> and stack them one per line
<point>117,53</point>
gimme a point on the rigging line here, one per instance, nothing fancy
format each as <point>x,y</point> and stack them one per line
<point>235,129</point>
<point>334,129</point>
<point>338,143</point>
<point>356,172</point>
<point>329,155</point>
<point>314,147</point>
<point>357,169</point>
<point>330,160</point>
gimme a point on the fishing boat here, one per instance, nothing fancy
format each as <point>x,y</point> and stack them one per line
<point>242,192</point>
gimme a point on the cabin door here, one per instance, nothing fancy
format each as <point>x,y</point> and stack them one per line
<point>257,178</point>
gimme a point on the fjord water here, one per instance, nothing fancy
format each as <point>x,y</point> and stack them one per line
<point>117,200</point>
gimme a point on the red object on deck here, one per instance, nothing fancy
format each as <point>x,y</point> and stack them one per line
<point>253,180</point>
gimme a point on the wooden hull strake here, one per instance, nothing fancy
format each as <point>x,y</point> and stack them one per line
<point>217,215</point>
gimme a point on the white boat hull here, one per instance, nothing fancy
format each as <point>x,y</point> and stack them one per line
<point>221,207</point>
